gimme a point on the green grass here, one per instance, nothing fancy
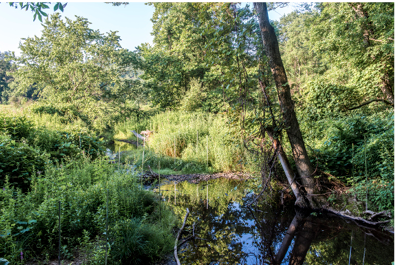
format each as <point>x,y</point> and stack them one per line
<point>187,142</point>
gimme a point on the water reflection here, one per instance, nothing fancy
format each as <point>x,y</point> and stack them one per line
<point>229,232</point>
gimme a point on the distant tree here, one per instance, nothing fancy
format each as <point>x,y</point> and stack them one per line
<point>215,43</point>
<point>74,65</point>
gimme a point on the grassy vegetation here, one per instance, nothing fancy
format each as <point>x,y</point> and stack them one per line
<point>43,165</point>
<point>187,142</point>
<point>138,230</point>
<point>64,162</point>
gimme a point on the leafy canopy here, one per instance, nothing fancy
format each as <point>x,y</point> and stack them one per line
<point>74,65</point>
<point>215,47</point>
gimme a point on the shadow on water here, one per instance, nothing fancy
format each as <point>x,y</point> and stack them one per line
<point>229,232</point>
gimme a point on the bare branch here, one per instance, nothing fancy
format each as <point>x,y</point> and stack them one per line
<point>178,235</point>
<point>371,101</point>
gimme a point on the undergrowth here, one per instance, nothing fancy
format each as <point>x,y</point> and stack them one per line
<point>139,231</point>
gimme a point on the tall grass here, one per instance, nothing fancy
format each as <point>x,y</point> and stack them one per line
<point>197,139</point>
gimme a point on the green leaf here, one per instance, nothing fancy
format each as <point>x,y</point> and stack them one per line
<point>60,6</point>
<point>56,7</point>
<point>43,13</point>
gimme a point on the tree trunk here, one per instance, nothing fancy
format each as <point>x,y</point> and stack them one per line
<point>282,157</point>
<point>299,152</point>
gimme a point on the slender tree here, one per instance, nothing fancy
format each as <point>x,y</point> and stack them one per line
<point>299,152</point>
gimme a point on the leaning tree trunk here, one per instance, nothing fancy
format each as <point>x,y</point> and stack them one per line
<point>299,152</point>
<point>282,157</point>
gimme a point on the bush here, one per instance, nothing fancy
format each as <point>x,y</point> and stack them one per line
<point>97,116</point>
<point>370,134</point>
<point>27,148</point>
<point>68,113</point>
<point>17,127</point>
<point>29,221</point>
<point>19,161</point>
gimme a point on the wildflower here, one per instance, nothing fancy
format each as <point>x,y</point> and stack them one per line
<point>21,255</point>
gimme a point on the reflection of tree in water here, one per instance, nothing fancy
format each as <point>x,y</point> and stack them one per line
<point>326,240</point>
<point>271,222</point>
<point>275,234</point>
<point>333,241</point>
<point>218,227</point>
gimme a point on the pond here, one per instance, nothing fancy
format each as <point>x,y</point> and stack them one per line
<point>229,232</point>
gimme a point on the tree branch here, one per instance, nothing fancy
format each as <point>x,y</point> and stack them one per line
<point>371,101</point>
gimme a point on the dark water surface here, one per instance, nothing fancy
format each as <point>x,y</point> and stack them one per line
<point>228,232</point>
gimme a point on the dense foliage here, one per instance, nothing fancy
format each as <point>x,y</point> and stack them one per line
<point>206,92</point>
<point>207,46</point>
<point>26,149</point>
<point>84,188</point>
<point>81,81</point>
<point>5,79</point>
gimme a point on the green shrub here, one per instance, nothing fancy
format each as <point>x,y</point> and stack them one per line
<point>18,161</point>
<point>29,221</point>
<point>28,148</point>
<point>68,113</point>
<point>17,127</point>
<point>62,144</point>
<point>333,142</point>
<point>135,241</point>
<point>97,116</point>
<point>336,147</point>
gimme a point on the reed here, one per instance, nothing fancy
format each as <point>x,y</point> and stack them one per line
<point>178,135</point>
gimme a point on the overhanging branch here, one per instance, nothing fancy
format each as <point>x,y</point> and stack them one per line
<point>371,101</point>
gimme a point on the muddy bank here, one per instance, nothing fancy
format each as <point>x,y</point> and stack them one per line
<point>149,177</point>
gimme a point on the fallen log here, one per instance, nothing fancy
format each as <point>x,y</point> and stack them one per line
<point>355,219</point>
<point>375,215</point>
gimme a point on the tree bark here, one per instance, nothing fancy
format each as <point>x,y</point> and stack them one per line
<point>299,152</point>
<point>282,157</point>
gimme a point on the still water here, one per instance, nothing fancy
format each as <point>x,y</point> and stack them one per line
<point>229,232</point>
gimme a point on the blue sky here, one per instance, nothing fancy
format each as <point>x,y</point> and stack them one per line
<point>132,22</point>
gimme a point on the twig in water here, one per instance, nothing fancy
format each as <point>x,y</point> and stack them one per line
<point>178,235</point>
